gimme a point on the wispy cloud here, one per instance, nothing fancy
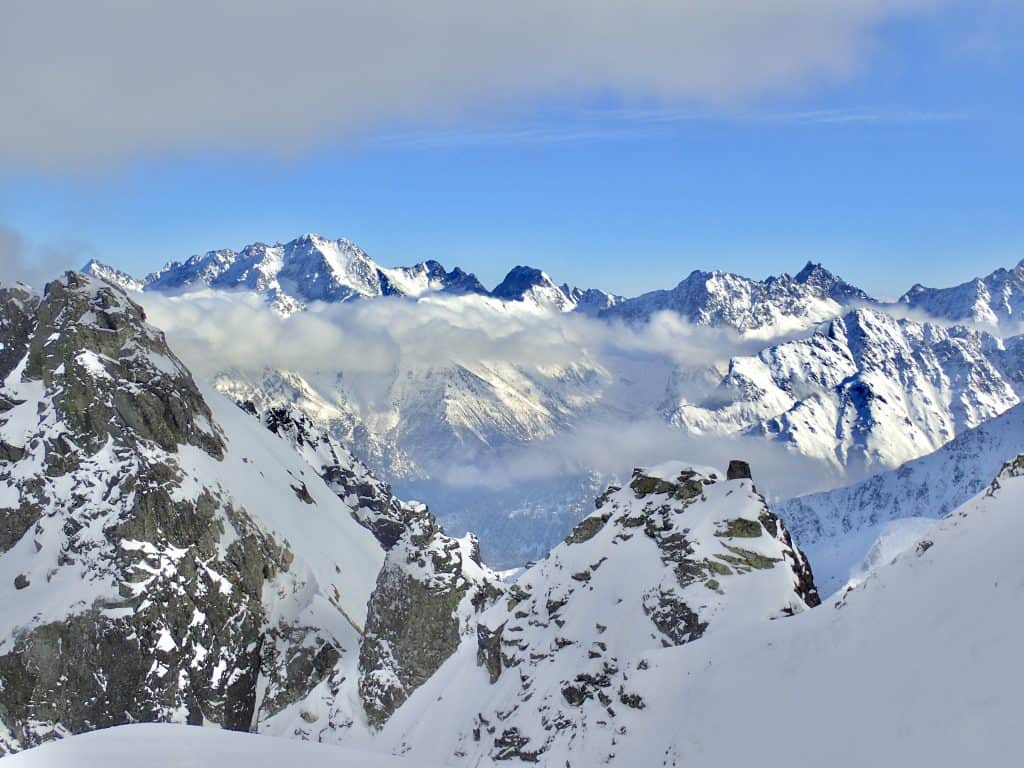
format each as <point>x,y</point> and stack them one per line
<point>625,124</point>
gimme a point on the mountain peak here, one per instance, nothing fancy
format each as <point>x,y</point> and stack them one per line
<point>111,275</point>
<point>813,271</point>
<point>519,280</point>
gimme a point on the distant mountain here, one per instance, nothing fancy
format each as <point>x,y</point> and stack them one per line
<point>313,268</point>
<point>309,268</point>
<point>108,274</point>
<point>992,300</point>
<point>866,391</point>
<point>530,285</point>
<point>591,301</point>
<point>777,305</point>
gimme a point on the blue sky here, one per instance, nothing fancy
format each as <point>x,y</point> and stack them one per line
<point>906,169</point>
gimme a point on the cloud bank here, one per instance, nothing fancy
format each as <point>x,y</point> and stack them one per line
<point>86,84</point>
<point>375,344</point>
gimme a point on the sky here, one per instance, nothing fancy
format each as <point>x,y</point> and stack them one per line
<point>614,145</point>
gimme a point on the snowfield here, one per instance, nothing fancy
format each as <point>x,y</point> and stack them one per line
<point>182,746</point>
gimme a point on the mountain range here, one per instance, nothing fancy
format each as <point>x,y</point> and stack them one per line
<point>313,268</point>
<point>857,385</point>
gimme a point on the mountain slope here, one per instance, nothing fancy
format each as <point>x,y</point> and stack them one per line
<point>196,565</point>
<point>177,746</point>
<point>428,593</point>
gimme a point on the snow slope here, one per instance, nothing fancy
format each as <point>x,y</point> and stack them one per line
<point>837,527</point>
<point>915,666</point>
<point>179,746</point>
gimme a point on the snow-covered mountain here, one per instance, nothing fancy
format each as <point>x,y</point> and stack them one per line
<point>590,301</point>
<point>832,375</point>
<point>677,555</point>
<point>536,288</point>
<point>198,568</point>
<point>865,392</point>
<point>166,555</point>
<point>837,527</point>
<point>775,305</point>
<point>914,665</point>
<point>309,268</point>
<point>993,300</point>
<point>910,665</point>
<point>108,274</point>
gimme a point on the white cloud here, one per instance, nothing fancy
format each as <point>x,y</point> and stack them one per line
<point>374,344</point>
<point>85,84</point>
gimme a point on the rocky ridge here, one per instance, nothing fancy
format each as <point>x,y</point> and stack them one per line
<point>678,554</point>
<point>775,305</point>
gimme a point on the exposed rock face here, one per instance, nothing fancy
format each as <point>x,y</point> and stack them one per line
<point>738,470</point>
<point>677,554</point>
<point>135,586</point>
<point>428,596</point>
